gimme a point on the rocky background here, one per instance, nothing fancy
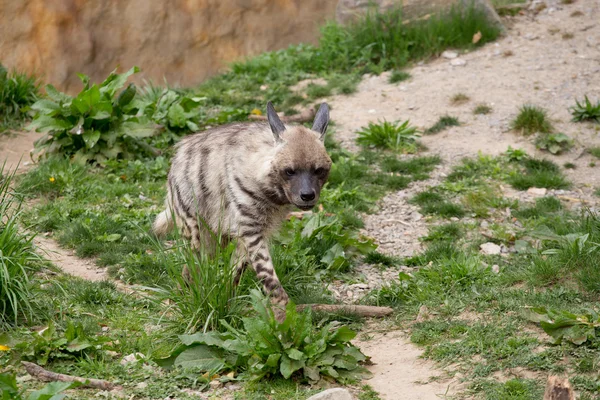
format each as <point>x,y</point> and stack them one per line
<point>182,41</point>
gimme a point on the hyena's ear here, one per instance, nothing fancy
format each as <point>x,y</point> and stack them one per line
<point>276,125</point>
<point>321,121</point>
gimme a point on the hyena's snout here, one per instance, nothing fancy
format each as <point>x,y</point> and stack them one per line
<point>306,190</point>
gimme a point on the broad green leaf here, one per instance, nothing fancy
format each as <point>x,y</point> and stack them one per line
<point>192,126</point>
<point>295,354</point>
<point>273,360</point>
<point>345,361</point>
<point>355,353</point>
<point>202,357</point>
<point>8,386</point>
<point>176,116</point>
<point>45,123</point>
<point>45,106</point>
<point>86,100</point>
<point>81,157</point>
<point>342,335</point>
<point>289,366</point>
<point>126,96</point>
<point>136,130</point>
<point>52,391</point>
<point>90,137</point>
<point>102,110</point>
<point>116,81</point>
<point>56,95</point>
<point>312,374</point>
<point>78,344</point>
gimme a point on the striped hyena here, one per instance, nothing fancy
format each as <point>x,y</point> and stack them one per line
<point>241,180</point>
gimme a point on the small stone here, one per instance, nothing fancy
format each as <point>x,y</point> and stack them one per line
<point>112,354</point>
<point>372,111</point>
<point>233,386</point>
<point>141,385</point>
<point>332,394</point>
<point>484,224</point>
<point>423,314</point>
<point>537,191</point>
<point>263,87</point>
<point>215,384</point>
<point>133,357</point>
<point>453,219</point>
<point>490,248</point>
<point>449,54</point>
<point>496,268</point>
<point>349,293</point>
<point>416,216</point>
<point>458,62</point>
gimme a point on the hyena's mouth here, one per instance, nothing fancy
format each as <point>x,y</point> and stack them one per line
<point>305,207</point>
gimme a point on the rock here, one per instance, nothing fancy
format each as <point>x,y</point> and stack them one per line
<point>130,358</point>
<point>458,62</point>
<point>490,248</point>
<point>538,192</point>
<point>423,314</point>
<point>187,43</point>
<point>449,54</point>
<point>215,384</point>
<point>332,394</point>
<point>141,385</point>
<point>484,224</point>
<point>496,268</point>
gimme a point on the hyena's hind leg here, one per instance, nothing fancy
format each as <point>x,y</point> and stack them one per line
<point>260,259</point>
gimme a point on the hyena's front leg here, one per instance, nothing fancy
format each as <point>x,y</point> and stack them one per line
<point>260,259</point>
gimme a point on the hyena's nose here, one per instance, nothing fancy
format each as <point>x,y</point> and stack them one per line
<point>307,196</point>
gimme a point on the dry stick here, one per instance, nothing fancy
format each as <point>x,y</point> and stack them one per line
<point>49,376</point>
<point>305,116</point>
<point>363,311</point>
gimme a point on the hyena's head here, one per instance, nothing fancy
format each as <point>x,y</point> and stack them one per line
<point>301,165</point>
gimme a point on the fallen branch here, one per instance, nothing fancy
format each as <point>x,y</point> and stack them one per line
<point>49,376</point>
<point>305,116</point>
<point>363,311</point>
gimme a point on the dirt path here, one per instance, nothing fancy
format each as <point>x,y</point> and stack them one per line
<point>15,148</point>
<point>535,63</point>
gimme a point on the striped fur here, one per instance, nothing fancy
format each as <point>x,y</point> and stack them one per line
<point>241,180</point>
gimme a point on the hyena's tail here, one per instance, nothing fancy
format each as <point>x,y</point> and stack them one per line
<point>163,223</point>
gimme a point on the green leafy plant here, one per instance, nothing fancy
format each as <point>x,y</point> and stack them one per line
<point>586,111</point>
<point>595,151</point>
<point>515,154</point>
<point>96,125</point>
<point>390,135</point>
<point>17,93</point>
<point>324,238</point>
<point>263,347</point>
<point>555,143</point>
<point>51,391</point>
<point>443,123</point>
<point>172,109</point>
<point>48,344</point>
<point>532,119</point>
<point>564,325</point>
<point>17,256</point>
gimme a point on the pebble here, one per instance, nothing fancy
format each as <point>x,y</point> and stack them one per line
<point>133,357</point>
<point>449,54</point>
<point>537,191</point>
<point>496,268</point>
<point>215,384</point>
<point>490,248</point>
<point>458,62</point>
<point>332,394</point>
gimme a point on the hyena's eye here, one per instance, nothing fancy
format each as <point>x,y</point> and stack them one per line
<point>320,171</point>
<point>290,172</point>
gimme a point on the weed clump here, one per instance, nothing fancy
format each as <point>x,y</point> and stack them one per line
<point>482,109</point>
<point>443,123</point>
<point>586,111</point>
<point>396,136</point>
<point>398,76</point>
<point>17,93</point>
<point>531,119</point>
<point>433,203</point>
<point>538,173</point>
<point>459,98</point>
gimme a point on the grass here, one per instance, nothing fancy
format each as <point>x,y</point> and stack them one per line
<point>400,137</point>
<point>531,119</point>
<point>398,76</point>
<point>17,257</point>
<point>443,123</point>
<point>459,98</point>
<point>539,173</point>
<point>586,111</point>
<point>18,91</point>
<point>434,204</point>
<point>595,151</point>
<point>482,109</point>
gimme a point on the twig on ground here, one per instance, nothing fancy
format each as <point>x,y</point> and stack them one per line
<point>305,116</point>
<point>49,376</point>
<point>363,311</point>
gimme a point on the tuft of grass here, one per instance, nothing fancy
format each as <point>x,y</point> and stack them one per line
<point>418,167</point>
<point>569,165</point>
<point>398,76</point>
<point>433,203</point>
<point>568,35</point>
<point>315,91</point>
<point>446,232</point>
<point>383,41</point>
<point>443,122</point>
<point>17,256</point>
<point>542,208</point>
<point>459,98</point>
<point>595,151</point>
<point>586,111</point>
<point>18,92</point>
<point>531,119</point>
<point>539,173</point>
<point>376,257</point>
<point>482,109</point>
<point>396,136</point>
<point>554,143</point>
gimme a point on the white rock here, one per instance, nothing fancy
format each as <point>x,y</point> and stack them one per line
<point>490,248</point>
<point>537,191</point>
<point>496,268</point>
<point>449,54</point>
<point>141,385</point>
<point>215,384</point>
<point>332,394</point>
<point>458,62</point>
<point>132,358</point>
